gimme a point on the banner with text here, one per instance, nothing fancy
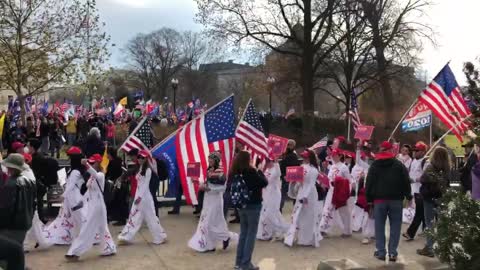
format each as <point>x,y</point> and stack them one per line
<point>418,118</point>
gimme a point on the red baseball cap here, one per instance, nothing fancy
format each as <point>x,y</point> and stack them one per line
<point>336,152</point>
<point>349,154</point>
<point>420,146</point>
<point>386,145</point>
<point>74,151</point>
<point>17,145</point>
<point>340,138</point>
<point>27,157</point>
<point>95,158</point>
<point>305,154</point>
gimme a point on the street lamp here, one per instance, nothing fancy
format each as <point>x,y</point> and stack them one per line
<point>174,86</point>
<point>271,81</point>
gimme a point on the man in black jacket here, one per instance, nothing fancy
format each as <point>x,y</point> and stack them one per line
<point>466,170</point>
<point>40,170</point>
<point>388,184</point>
<point>290,158</point>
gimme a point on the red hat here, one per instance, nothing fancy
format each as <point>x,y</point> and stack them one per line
<point>27,157</point>
<point>340,138</point>
<point>386,145</point>
<point>144,153</point>
<point>74,151</point>
<point>420,146</point>
<point>336,152</point>
<point>17,145</point>
<point>95,158</point>
<point>349,154</point>
<point>305,154</point>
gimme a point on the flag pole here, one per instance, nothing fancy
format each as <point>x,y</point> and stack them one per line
<point>446,133</point>
<point>348,126</point>
<point>401,119</point>
<point>243,115</point>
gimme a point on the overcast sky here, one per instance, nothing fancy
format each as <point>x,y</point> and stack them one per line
<point>455,22</point>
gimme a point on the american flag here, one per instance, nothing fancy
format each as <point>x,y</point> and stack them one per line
<point>250,133</point>
<point>444,98</point>
<point>355,117</point>
<point>211,131</point>
<point>322,143</point>
<point>141,137</point>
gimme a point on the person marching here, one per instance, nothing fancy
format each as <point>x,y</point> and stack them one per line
<point>272,224</point>
<point>212,227</point>
<point>143,208</point>
<point>96,214</point>
<point>306,213</point>
<point>71,215</point>
<point>336,201</point>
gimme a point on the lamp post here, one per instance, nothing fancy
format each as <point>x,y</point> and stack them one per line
<point>174,87</point>
<point>271,81</point>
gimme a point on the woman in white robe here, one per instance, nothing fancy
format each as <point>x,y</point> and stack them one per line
<point>272,224</point>
<point>71,215</point>
<point>96,216</point>
<point>143,208</point>
<point>306,213</point>
<point>212,227</point>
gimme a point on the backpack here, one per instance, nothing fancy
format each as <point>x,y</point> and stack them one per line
<point>239,193</point>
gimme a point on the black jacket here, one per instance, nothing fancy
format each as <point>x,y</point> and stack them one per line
<point>114,170</point>
<point>93,145</point>
<point>388,179</point>
<point>434,183</point>
<point>17,203</point>
<point>255,181</point>
<point>466,173</point>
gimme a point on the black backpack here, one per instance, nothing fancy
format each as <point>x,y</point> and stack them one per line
<point>239,193</point>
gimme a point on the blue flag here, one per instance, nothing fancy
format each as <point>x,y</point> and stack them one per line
<point>168,153</point>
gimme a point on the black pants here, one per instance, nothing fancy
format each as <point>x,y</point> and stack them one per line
<point>201,195</point>
<point>284,194</point>
<point>419,217</point>
<point>178,199</point>
<point>41,191</point>
<point>119,205</point>
<point>11,252</point>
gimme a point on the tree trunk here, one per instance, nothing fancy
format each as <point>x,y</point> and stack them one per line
<point>385,85</point>
<point>21,103</point>
<point>308,98</point>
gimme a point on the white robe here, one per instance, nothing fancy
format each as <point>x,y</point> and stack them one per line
<point>212,227</point>
<point>144,211</point>
<point>96,219</point>
<point>66,226</point>
<point>271,222</point>
<point>341,216</point>
<point>306,217</point>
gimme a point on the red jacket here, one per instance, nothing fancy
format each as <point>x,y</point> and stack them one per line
<point>341,192</point>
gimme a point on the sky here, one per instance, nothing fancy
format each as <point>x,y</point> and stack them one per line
<point>454,21</point>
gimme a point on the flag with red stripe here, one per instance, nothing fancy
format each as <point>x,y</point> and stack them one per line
<point>250,133</point>
<point>141,137</point>
<point>212,131</point>
<point>444,98</point>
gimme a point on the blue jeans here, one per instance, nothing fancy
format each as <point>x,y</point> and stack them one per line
<point>430,212</point>
<point>248,232</point>
<point>392,210</point>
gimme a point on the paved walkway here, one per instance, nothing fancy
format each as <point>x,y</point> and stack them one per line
<point>175,255</point>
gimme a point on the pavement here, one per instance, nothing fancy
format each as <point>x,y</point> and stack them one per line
<point>334,251</point>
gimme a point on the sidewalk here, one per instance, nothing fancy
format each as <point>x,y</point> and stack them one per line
<point>175,254</point>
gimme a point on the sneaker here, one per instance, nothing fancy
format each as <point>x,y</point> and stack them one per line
<point>108,254</point>
<point>407,237</point>
<point>392,258</point>
<point>196,212</point>
<point>365,241</point>
<point>122,242</point>
<point>425,252</point>
<point>378,256</point>
<point>226,243</point>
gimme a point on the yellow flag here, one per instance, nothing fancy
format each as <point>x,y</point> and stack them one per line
<point>123,101</point>
<point>2,123</point>
<point>105,161</point>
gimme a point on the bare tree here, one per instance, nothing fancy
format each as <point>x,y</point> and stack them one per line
<point>158,56</point>
<point>288,27</point>
<point>395,30</point>
<point>43,41</point>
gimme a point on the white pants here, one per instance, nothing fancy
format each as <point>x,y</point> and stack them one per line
<point>96,223</point>
<point>144,211</point>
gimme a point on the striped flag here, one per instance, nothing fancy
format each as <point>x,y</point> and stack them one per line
<point>140,138</point>
<point>322,143</point>
<point>444,98</point>
<point>250,133</point>
<point>211,131</point>
<point>353,113</point>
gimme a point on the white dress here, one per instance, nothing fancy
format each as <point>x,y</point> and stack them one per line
<point>212,227</point>
<point>143,211</point>
<point>66,226</point>
<point>306,217</point>
<point>96,219</point>
<point>272,223</point>
<point>341,216</point>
